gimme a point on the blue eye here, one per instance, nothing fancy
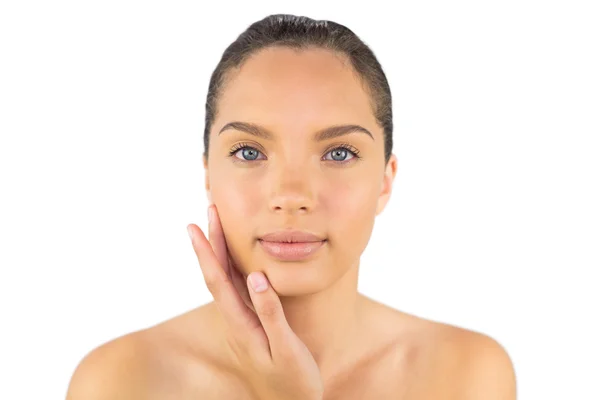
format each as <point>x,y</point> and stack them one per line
<point>247,151</point>
<point>339,153</point>
<point>342,152</point>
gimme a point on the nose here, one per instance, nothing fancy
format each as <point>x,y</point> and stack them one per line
<point>292,190</point>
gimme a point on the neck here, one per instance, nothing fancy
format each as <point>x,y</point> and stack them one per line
<point>328,322</point>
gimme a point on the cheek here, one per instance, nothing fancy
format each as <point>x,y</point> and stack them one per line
<point>351,207</point>
<point>239,205</point>
<point>350,198</point>
<point>240,197</point>
<point>346,205</point>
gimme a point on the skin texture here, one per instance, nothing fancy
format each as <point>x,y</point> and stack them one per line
<point>295,182</point>
<point>355,347</point>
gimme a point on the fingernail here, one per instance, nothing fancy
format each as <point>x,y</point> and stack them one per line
<point>258,282</point>
<point>210,214</point>
<point>189,229</point>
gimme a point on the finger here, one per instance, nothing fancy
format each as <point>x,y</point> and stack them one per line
<point>269,310</point>
<point>219,245</point>
<point>229,302</point>
<point>239,281</point>
<point>217,239</point>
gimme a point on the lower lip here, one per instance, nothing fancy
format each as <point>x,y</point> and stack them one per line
<point>291,251</point>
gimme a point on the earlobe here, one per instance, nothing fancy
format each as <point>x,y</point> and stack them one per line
<point>207,187</point>
<point>381,202</point>
<point>206,181</point>
<point>386,184</point>
<point>384,195</point>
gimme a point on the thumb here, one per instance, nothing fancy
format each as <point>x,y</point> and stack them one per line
<point>269,310</point>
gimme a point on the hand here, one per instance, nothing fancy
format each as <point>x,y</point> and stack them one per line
<point>275,363</point>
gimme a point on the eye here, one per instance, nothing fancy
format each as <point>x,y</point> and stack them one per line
<point>249,153</point>
<point>341,152</point>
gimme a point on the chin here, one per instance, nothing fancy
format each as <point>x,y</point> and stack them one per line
<point>296,280</point>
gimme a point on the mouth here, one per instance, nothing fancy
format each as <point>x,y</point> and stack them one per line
<point>291,251</point>
<point>291,236</point>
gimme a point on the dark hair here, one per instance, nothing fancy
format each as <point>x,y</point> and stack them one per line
<point>297,32</point>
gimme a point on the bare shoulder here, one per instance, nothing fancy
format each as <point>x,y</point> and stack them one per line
<point>449,361</point>
<point>173,359</point>
<point>115,370</point>
<point>467,364</point>
<point>488,371</point>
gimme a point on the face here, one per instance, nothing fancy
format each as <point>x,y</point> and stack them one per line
<point>332,187</point>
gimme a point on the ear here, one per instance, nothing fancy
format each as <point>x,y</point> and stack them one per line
<point>206,180</point>
<point>386,185</point>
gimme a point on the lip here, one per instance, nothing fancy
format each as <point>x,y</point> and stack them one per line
<point>293,236</point>
<point>291,251</point>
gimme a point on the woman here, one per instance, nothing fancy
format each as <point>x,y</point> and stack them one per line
<point>298,162</point>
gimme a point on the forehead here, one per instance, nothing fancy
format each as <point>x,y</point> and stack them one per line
<point>285,86</point>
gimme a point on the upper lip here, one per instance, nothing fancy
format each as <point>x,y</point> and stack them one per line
<point>291,236</point>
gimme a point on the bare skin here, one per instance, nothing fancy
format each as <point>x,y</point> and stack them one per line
<point>349,346</point>
<point>399,356</point>
<point>402,357</point>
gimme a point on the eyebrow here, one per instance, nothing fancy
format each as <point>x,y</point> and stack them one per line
<point>323,134</point>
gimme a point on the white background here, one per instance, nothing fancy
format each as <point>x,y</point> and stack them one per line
<point>493,224</point>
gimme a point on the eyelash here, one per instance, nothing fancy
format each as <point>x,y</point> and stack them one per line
<point>346,146</point>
